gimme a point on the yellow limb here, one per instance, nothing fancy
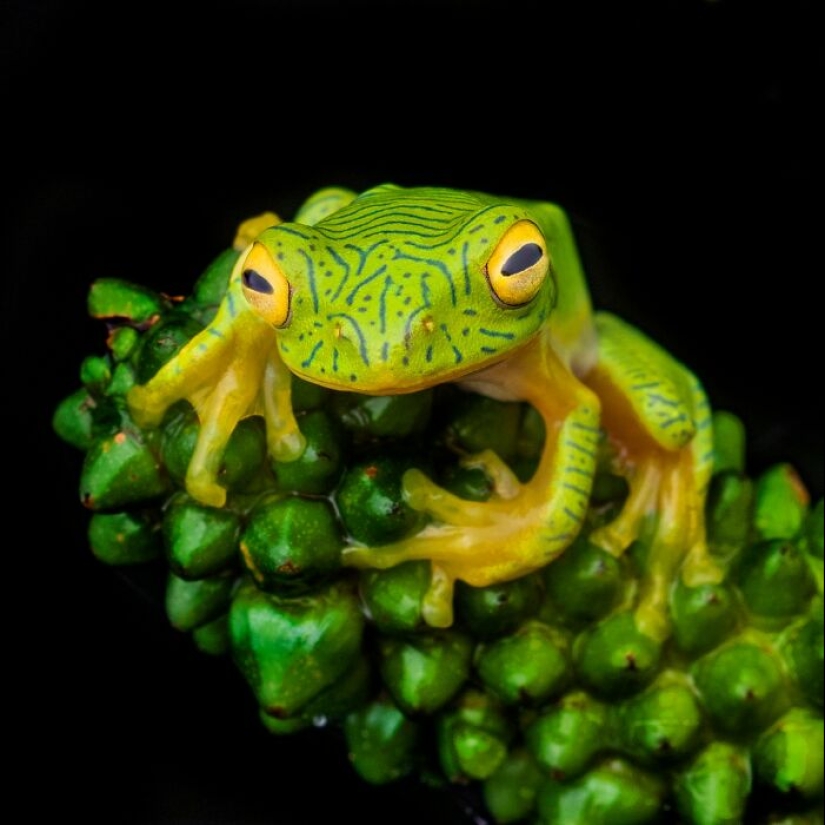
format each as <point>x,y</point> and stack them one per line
<point>658,420</point>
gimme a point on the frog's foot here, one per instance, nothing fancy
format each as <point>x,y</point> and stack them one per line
<point>228,371</point>
<point>505,482</point>
<point>664,510</point>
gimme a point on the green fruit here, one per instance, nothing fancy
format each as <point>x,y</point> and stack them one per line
<point>113,298</point>
<point>163,341</point>
<point>383,416</point>
<point>120,469</point>
<point>805,653</point>
<point>714,789</point>
<point>703,616</point>
<point>199,540</point>
<point>781,503</point>
<point>381,741</point>
<point>470,483</point>
<point>123,379</point>
<point>213,637</point>
<point>614,793</point>
<point>371,504</point>
<point>123,342</point>
<point>615,658</point>
<point>350,691</point>
<point>291,542</point>
<point>210,288</point>
<point>394,597</point>
<point>318,468</point>
<point>775,579</point>
<point>789,757</point>
<point>662,724</point>
<point>243,457</point>
<point>473,738</point>
<point>423,672</point>
<point>528,667</point>
<point>307,396</point>
<point>499,608</point>
<point>483,423</point>
<point>73,419</point>
<point>510,793</point>
<point>729,512</point>
<point>728,442</point>
<point>566,738</point>
<point>190,604</point>
<point>741,686</point>
<point>813,539</point>
<point>95,373</point>
<point>584,583</point>
<point>291,650</point>
<point>124,538</point>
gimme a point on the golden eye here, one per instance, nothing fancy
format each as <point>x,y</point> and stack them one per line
<point>265,286</point>
<point>519,264</point>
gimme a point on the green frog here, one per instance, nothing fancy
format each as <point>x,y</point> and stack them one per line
<point>399,289</point>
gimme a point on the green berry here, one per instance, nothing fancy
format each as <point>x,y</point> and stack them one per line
<point>423,672</point>
<point>741,686</point>
<point>789,757</point>
<point>614,793</point>
<point>510,792</point>
<point>291,543</point>
<point>584,583</point>
<point>199,540</point>
<point>318,468</point>
<point>529,667</point>
<point>73,419</point>
<point>190,604</point>
<point>381,741</point>
<point>163,341</point>
<point>615,658</point>
<point>210,288</point>
<point>714,788</point>
<point>662,724</point>
<point>114,298</point>
<point>371,504</point>
<point>394,597</point>
<point>565,738</point>
<point>498,608</point>
<point>124,538</point>
<point>703,616</point>
<point>291,650</point>
<point>781,503</point>
<point>775,579</point>
<point>120,469</point>
<point>383,416</point>
<point>728,442</point>
<point>212,638</point>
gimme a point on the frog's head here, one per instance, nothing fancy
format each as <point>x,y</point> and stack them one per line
<point>402,288</point>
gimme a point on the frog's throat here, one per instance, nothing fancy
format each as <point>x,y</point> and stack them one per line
<point>388,382</point>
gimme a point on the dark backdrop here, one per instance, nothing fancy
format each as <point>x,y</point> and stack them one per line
<point>679,134</point>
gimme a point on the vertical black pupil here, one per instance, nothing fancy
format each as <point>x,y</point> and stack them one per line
<point>256,282</point>
<point>523,258</point>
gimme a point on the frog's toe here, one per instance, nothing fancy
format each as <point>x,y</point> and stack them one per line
<point>424,495</point>
<point>288,445</point>
<point>146,409</point>
<point>205,491</point>
<point>505,482</point>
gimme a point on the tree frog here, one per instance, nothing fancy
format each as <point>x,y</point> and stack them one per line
<point>399,289</point>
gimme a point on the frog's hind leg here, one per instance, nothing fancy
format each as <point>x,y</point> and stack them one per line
<point>658,419</point>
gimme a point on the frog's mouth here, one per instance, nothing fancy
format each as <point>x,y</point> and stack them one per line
<point>389,379</point>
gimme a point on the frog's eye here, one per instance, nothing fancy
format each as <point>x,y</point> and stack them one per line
<point>518,265</point>
<point>265,286</point>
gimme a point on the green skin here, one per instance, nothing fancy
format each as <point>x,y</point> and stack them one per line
<point>398,290</point>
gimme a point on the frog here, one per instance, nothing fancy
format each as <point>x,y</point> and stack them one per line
<point>400,289</point>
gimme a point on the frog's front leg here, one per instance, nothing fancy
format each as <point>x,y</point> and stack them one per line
<point>228,371</point>
<point>523,526</point>
<point>658,419</point>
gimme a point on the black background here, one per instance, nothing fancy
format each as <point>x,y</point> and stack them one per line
<point>680,135</point>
